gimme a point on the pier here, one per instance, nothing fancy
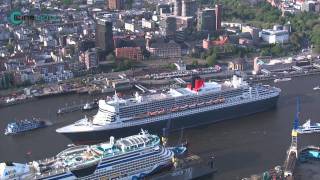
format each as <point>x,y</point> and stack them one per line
<point>289,75</point>
<point>187,168</point>
<point>69,109</point>
<point>73,108</point>
<point>292,155</point>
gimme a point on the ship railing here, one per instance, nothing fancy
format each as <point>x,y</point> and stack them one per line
<point>226,104</point>
<point>55,171</point>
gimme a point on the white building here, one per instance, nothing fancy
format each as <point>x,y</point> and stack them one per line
<point>130,26</point>
<point>147,24</point>
<point>275,36</point>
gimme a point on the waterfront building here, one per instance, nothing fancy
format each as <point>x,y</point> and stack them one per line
<point>177,7</point>
<point>149,24</point>
<point>206,20</point>
<point>104,36</point>
<point>275,36</point>
<point>116,4</point>
<point>91,59</point>
<point>184,22</point>
<point>254,32</point>
<point>163,9</point>
<point>132,53</point>
<point>165,50</point>
<point>168,26</point>
<point>208,43</point>
<point>189,8</point>
<point>218,16</point>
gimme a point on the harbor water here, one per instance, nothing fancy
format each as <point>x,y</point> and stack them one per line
<point>241,146</point>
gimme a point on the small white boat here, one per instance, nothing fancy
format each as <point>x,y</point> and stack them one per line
<point>308,128</point>
<point>282,79</point>
<point>87,106</point>
<point>316,88</point>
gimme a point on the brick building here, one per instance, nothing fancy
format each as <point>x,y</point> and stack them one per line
<point>116,4</point>
<point>165,50</point>
<point>132,53</point>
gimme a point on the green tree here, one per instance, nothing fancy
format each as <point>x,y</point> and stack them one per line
<point>195,63</point>
<point>129,4</point>
<point>10,48</point>
<point>277,50</point>
<point>316,48</point>
<point>110,58</point>
<point>265,52</point>
<point>127,63</point>
<point>295,40</point>
<point>67,2</point>
<point>315,36</point>
<point>212,59</point>
<point>229,48</point>
<point>171,66</point>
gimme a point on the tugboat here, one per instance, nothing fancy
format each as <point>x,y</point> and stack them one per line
<point>24,125</point>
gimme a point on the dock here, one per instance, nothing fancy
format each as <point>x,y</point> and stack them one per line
<point>73,108</point>
<point>187,168</point>
<point>298,165</point>
<point>69,109</point>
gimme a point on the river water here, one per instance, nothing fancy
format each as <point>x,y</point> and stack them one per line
<point>241,146</point>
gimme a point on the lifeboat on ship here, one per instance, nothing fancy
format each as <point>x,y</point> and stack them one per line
<point>200,104</point>
<point>152,113</point>
<point>192,105</point>
<point>209,102</point>
<point>162,111</point>
<point>184,107</point>
<point>221,100</point>
<point>175,109</point>
<point>216,101</point>
<point>140,116</point>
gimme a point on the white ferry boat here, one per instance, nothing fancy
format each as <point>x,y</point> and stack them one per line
<point>24,125</point>
<point>133,157</point>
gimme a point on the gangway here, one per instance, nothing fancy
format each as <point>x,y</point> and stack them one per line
<point>265,71</point>
<point>142,88</point>
<point>122,76</point>
<point>297,68</point>
<point>179,80</point>
<point>316,65</point>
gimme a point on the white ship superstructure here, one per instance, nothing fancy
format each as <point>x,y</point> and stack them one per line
<point>127,158</point>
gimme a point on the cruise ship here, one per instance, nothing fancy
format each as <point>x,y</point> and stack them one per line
<point>197,104</point>
<point>132,157</point>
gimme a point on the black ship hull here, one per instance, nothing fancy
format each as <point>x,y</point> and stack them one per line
<point>177,123</point>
